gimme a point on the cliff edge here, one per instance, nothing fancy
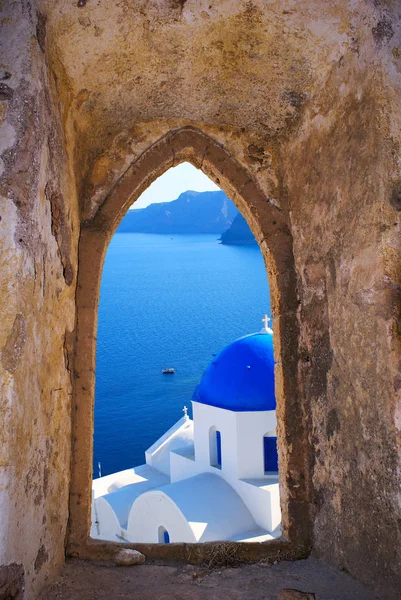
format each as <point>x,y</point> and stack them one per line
<point>238,234</point>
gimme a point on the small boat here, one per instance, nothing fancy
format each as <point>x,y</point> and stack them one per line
<point>168,371</point>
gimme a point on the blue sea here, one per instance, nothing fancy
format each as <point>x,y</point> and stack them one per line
<point>165,302</point>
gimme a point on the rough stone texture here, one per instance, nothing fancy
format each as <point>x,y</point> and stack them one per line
<point>129,557</point>
<point>346,233</point>
<point>295,595</point>
<point>262,581</point>
<point>12,582</point>
<point>295,110</point>
<point>37,310</point>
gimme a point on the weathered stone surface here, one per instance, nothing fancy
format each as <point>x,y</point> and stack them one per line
<point>84,581</point>
<point>125,558</point>
<point>12,582</point>
<point>294,109</point>
<point>37,309</point>
<point>12,349</point>
<point>295,595</point>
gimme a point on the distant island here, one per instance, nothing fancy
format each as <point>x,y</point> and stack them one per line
<point>238,234</point>
<point>192,213</point>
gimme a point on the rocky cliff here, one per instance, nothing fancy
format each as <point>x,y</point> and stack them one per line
<point>238,234</point>
<point>192,212</point>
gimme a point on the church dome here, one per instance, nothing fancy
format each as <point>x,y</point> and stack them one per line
<point>241,377</point>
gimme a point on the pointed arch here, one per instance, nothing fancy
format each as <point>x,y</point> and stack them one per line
<point>271,229</point>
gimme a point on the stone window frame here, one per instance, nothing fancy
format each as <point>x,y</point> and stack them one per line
<point>271,228</point>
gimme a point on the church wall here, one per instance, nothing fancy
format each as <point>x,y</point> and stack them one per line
<point>182,467</point>
<point>263,501</point>
<point>198,509</point>
<point>204,418</point>
<point>251,428</point>
<point>179,436</point>
<point>238,460</point>
<point>109,526</point>
<point>37,283</point>
<point>241,439</point>
<point>154,510</point>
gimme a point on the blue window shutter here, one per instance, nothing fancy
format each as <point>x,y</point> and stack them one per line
<point>166,537</point>
<point>271,455</point>
<point>218,445</point>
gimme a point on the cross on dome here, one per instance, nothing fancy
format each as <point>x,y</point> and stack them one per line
<point>266,328</point>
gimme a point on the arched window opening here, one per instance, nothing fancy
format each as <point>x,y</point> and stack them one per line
<point>270,454</point>
<point>173,314</point>
<point>215,447</point>
<point>163,535</point>
<point>218,444</point>
<point>174,462</point>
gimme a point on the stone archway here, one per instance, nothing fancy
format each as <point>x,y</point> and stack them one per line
<point>271,229</point>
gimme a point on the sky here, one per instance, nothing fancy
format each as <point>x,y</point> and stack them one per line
<point>173,182</point>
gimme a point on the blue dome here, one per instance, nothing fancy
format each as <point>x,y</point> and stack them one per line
<point>241,376</point>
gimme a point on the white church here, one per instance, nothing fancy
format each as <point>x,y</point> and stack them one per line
<point>211,478</point>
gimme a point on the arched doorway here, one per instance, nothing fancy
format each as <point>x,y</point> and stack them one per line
<point>163,535</point>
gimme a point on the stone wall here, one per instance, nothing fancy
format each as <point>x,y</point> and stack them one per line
<point>344,204</point>
<point>37,281</point>
<point>305,99</point>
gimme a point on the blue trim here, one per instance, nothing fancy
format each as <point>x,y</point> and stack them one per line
<point>270,454</point>
<point>218,446</point>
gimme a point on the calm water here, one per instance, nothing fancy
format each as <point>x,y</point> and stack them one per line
<point>165,303</point>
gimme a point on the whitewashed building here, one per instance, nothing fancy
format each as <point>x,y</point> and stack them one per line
<point>211,478</point>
